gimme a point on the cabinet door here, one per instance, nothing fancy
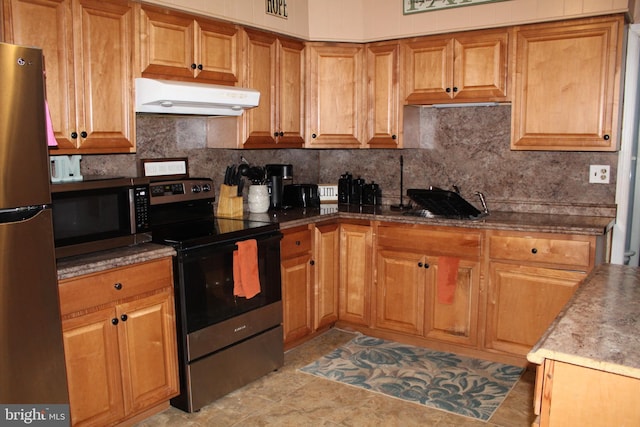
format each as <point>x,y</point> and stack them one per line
<point>522,303</point>
<point>567,84</point>
<point>148,350</point>
<point>93,368</point>
<point>48,24</point>
<point>327,274</point>
<point>456,322</point>
<point>336,96</point>
<point>290,94</point>
<point>167,45</point>
<point>104,40</point>
<point>296,297</point>
<point>260,71</point>
<point>216,52</point>
<point>428,65</point>
<point>383,94</point>
<point>400,291</point>
<point>480,67</point>
<point>355,273</point>
<point>274,66</point>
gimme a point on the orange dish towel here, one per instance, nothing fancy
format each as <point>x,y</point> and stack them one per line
<point>447,279</point>
<point>246,280</point>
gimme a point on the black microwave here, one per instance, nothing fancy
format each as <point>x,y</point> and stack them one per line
<point>99,214</point>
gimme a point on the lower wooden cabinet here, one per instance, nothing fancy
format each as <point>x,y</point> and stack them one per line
<point>522,303</point>
<point>309,267</point>
<point>120,349</point>
<point>408,260</point>
<point>326,280</point>
<point>295,267</point>
<point>356,258</point>
<point>531,277</point>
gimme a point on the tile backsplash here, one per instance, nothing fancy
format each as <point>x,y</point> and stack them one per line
<point>466,147</point>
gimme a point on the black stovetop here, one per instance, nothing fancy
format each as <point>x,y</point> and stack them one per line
<point>209,231</point>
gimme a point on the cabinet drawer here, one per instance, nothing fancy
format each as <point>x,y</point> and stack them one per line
<point>295,243</point>
<point>103,287</point>
<point>431,240</point>
<point>563,252</point>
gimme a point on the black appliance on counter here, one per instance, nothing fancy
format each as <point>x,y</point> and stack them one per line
<point>278,176</point>
<point>301,196</point>
<point>224,341</point>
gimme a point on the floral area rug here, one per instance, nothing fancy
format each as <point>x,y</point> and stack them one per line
<point>457,384</point>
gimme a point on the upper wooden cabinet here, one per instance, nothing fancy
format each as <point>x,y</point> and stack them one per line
<point>462,67</point>
<point>384,119</point>
<point>336,97</point>
<point>87,46</point>
<point>175,45</point>
<point>567,85</point>
<point>275,66</point>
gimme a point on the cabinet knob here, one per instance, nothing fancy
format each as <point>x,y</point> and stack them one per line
<point>193,66</point>
<point>448,90</point>
<point>455,89</point>
<point>297,242</point>
<point>200,67</point>
<point>313,135</point>
<point>606,137</point>
<point>118,286</point>
<point>534,251</point>
<point>281,133</point>
<point>83,134</point>
<point>275,134</point>
<point>394,137</point>
<point>114,321</point>
<point>124,317</point>
<point>312,262</point>
<point>420,264</point>
<point>74,135</point>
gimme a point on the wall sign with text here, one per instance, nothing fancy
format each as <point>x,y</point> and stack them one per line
<point>417,6</point>
<point>277,8</point>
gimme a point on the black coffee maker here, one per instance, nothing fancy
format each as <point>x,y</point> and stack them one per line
<point>278,175</point>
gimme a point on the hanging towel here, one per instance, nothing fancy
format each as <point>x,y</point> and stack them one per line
<point>246,280</point>
<point>51,138</point>
<point>447,278</point>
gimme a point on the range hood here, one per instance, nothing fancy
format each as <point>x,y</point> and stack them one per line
<point>174,97</point>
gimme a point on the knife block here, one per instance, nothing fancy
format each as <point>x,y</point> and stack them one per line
<point>229,203</point>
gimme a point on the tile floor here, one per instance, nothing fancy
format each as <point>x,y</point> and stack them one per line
<point>292,398</point>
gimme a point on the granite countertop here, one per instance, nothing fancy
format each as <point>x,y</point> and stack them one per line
<point>513,221</point>
<point>598,328</point>
<point>112,258</point>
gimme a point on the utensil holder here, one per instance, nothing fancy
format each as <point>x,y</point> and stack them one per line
<point>229,203</point>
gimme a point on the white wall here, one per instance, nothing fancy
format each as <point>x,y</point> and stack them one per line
<point>369,20</point>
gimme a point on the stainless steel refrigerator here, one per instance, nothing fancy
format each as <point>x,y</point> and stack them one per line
<point>32,368</point>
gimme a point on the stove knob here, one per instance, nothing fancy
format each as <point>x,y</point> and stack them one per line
<point>196,188</point>
<point>206,187</point>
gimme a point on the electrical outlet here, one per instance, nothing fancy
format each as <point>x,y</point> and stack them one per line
<point>599,174</point>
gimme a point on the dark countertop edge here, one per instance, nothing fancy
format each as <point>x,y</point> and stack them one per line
<point>506,221</point>
<point>112,258</point>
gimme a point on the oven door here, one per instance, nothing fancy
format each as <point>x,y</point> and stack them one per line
<point>205,282</point>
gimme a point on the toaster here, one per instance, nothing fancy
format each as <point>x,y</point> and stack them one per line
<point>301,196</point>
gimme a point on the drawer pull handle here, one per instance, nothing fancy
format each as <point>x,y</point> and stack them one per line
<point>124,317</point>
<point>114,321</point>
<point>118,286</point>
<point>534,251</point>
<point>297,242</point>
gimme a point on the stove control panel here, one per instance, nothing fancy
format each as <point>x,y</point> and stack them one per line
<point>181,191</point>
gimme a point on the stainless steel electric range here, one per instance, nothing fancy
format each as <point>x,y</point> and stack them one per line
<point>224,341</point>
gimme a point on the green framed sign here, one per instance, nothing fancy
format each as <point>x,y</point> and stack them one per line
<point>419,6</point>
